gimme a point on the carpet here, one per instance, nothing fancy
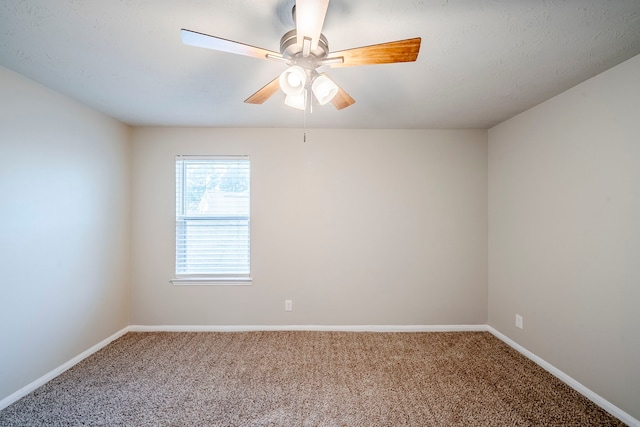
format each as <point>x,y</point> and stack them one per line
<point>302,378</point>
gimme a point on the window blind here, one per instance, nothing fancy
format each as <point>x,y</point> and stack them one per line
<point>213,216</point>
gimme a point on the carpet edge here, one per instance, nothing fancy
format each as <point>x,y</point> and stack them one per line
<point>19,394</point>
<point>577,386</point>
<point>321,328</point>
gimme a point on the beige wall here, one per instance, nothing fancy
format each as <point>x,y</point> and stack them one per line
<point>564,241</point>
<point>357,227</point>
<point>64,229</point>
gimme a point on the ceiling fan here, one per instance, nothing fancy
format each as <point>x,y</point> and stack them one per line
<point>305,49</point>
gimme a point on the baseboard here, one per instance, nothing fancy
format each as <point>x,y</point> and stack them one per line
<point>59,370</point>
<point>589,394</point>
<point>337,328</point>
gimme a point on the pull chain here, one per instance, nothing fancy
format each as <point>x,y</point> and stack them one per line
<point>304,119</point>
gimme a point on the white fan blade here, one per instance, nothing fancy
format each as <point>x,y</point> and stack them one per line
<point>310,16</point>
<point>193,38</point>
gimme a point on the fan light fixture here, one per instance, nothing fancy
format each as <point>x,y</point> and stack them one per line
<point>297,101</point>
<point>324,88</point>
<point>304,49</point>
<point>293,82</point>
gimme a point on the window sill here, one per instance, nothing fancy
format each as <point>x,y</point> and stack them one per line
<point>212,281</point>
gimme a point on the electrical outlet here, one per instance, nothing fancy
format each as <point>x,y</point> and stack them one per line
<point>519,321</point>
<point>288,305</point>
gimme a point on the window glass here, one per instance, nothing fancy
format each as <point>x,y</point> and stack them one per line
<point>213,216</point>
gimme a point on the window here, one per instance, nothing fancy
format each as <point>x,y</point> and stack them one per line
<point>212,219</point>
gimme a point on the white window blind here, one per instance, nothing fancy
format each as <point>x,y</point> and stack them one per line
<point>213,216</point>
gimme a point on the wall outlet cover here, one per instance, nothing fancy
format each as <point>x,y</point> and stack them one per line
<point>519,321</point>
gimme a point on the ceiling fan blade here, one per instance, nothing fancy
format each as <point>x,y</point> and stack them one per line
<point>342,99</point>
<point>206,41</point>
<point>384,53</point>
<point>309,17</point>
<point>265,92</point>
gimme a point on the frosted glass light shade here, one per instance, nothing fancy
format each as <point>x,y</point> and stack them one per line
<point>293,80</point>
<point>296,101</point>
<point>324,89</point>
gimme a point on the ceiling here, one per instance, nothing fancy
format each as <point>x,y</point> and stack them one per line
<point>481,61</point>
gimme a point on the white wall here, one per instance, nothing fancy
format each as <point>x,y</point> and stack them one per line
<point>356,226</point>
<point>564,241</point>
<point>64,229</point>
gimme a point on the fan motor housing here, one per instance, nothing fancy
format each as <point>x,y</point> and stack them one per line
<point>290,49</point>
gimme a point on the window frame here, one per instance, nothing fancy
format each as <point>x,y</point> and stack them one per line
<point>207,278</point>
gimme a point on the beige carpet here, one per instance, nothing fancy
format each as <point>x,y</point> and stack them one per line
<point>306,379</point>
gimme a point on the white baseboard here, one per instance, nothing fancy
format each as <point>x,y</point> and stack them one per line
<point>13,397</point>
<point>594,397</point>
<point>337,328</point>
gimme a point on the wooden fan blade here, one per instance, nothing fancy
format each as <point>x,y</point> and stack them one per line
<point>342,99</point>
<point>265,92</point>
<point>310,16</point>
<point>384,53</point>
<point>206,41</point>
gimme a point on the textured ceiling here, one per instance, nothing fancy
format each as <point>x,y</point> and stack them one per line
<point>481,61</point>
